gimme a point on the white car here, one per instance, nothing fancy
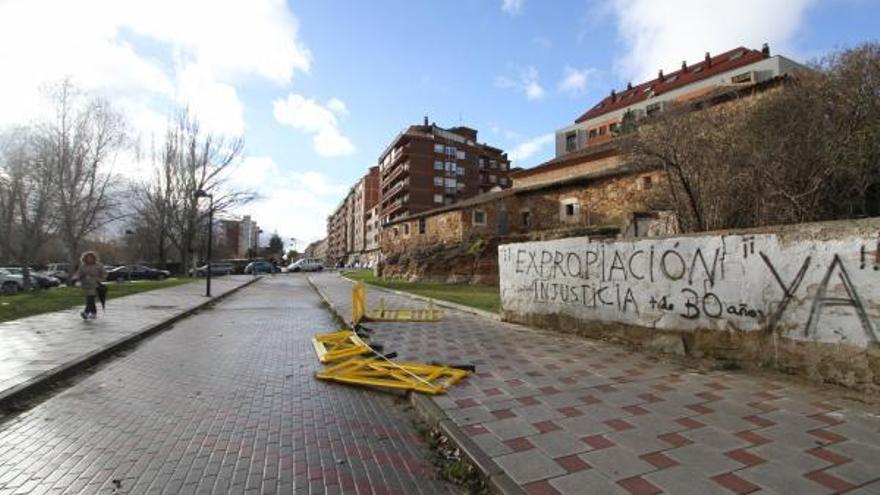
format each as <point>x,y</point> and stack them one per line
<point>10,283</point>
<point>305,265</point>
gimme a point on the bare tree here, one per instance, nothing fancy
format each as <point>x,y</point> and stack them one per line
<point>188,160</point>
<point>804,151</point>
<point>26,213</point>
<point>78,147</point>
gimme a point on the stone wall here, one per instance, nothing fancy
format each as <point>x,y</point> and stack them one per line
<point>805,298</point>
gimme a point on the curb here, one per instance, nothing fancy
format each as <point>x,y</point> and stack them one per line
<point>436,302</point>
<point>44,380</point>
<point>431,413</point>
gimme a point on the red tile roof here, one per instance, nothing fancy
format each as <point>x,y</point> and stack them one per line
<point>726,61</point>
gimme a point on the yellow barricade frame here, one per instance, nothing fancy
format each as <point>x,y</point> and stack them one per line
<point>360,313</point>
<point>375,372</point>
<point>334,346</point>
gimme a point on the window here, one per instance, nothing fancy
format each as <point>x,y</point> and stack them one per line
<point>502,165</point>
<point>571,141</point>
<point>482,162</point>
<point>450,150</point>
<point>742,78</point>
<point>439,148</point>
<point>737,55</point>
<point>406,228</point>
<point>438,165</point>
<point>647,182</point>
<point>602,131</point>
<point>438,198</point>
<point>460,155</point>
<point>450,167</point>
<point>593,133</point>
<point>450,182</point>
<point>438,181</point>
<point>479,217</point>
<point>422,227</point>
<point>502,181</point>
<point>493,164</point>
<point>526,216</point>
<point>612,127</point>
<point>493,179</point>
<point>569,209</point>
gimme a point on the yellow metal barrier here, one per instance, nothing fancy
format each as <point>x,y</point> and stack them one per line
<point>360,313</point>
<point>334,346</point>
<point>375,372</point>
<point>358,302</point>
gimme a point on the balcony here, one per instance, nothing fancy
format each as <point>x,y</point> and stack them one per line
<point>396,189</point>
<point>394,207</point>
<point>395,173</point>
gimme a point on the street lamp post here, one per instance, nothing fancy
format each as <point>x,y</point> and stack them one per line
<point>202,194</point>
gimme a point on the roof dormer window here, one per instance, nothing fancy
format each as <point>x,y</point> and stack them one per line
<point>738,54</point>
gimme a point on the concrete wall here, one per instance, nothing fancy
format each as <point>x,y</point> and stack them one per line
<point>745,294</point>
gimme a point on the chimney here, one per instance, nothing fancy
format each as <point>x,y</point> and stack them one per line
<point>629,85</point>
<point>766,49</point>
<point>684,66</point>
<point>660,74</point>
<point>426,121</point>
<point>708,59</point>
<point>613,95</point>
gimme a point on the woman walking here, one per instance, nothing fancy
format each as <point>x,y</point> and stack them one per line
<point>90,274</point>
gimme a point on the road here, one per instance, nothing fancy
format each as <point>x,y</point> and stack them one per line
<point>223,402</point>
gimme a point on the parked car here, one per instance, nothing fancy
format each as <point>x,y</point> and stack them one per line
<point>10,283</point>
<point>38,280</point>
<point>218,268</point>
<point>61,271</point>
<point>306,265</point>
<point>136,272</point>
<point>255,267</point>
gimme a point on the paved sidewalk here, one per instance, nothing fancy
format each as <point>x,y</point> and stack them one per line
<point>561,414</point>
<point>223,402</point>
<point>37,347</point>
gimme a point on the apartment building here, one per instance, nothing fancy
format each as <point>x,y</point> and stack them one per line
<point>426,167</point>
<point>347,232</point>
<point>734,68</point>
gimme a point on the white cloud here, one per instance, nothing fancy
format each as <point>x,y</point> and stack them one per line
<point>662,34</point>
<point>530,148</point>
<point>309,116</point>
<point>337,106</point>
<point>147,56</point>
<point>574,81</point>
<point>512,7</point>
<point>526,83</point>
<point>295,204</point>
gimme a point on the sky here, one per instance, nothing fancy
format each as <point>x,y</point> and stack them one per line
<point>318,88</point>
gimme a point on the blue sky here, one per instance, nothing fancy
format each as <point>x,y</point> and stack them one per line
<point>319,87</point>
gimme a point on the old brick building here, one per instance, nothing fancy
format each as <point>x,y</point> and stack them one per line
<point>427,166</point>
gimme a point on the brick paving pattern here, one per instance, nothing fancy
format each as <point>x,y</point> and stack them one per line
<point>34,346</point>
<point>223,402</point>
<point>561,414</point>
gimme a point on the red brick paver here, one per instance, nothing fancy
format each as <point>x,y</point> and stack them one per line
<point>628,422</point>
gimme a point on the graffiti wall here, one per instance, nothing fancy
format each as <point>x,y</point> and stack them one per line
<point>825,290</point>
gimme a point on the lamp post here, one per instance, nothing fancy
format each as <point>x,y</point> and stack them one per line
<point>202,194</point>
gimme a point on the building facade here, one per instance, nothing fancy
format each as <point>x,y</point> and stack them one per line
<point>235,238</point>
<point>427,166</point>
<point>347,230</point>
<point>735,68</point>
